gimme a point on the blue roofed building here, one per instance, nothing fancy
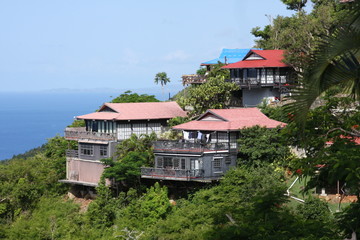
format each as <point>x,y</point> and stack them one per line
<point>227,56</point>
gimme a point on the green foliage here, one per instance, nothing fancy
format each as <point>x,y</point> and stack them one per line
<point>214,93</point>
<point>300,33</point>
<point>127,170</point>
<point>25,181</point>
<point>131,154</point>
<point>201,71</point>
<point>314,209</point>
<point>262,144</point>
<point>161,78</point>
<point>77,123</point>
<point>135,143</point>
<point>217,71</point>
<point>334,64</point>
<point>177,120</point>
<point>248,204</point>
<point>101,212</point>
<point>53,218</point>
<point>296,5</point>
<point>279,113</point>
<point>349,220</point>
<point>128,97</point>
<point>145,212</point>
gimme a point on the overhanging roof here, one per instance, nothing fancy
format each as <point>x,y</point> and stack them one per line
<point>136,111</point>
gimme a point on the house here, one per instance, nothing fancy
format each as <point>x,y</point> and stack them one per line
<point>113,123</point>
<point>261,74</point>
<point>227,56</point>
<point>209,146</point>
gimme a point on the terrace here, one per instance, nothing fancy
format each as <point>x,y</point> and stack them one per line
<point>193,147</point>
<point>78,133</point>
<point>175,174</point>
<point>193,79</point>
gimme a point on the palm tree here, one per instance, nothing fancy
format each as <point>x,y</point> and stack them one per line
<point>335,63</point>
<point>163,79</point>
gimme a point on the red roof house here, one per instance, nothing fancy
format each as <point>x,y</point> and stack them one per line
<point>229,120</point>
<point>136,111</point>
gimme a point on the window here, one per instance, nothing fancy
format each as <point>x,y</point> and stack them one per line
<point>168,162</point>
<point>176,162</point>
<point>183,162</point>
<point>139,128</point>
<point>87,150</point>
<point>159,162</point>
<point>103,150</point>
<point>228,160</point>
<point>217,162</point>
<point>252,73</point>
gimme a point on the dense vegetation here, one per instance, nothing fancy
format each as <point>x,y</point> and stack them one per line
<point>248,203</point>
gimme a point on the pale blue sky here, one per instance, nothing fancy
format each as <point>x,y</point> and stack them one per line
<point>90,44</point>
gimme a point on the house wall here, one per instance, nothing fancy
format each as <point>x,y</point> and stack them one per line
<point>84,170</point>
<point>255,96</point>
<point>126,128</point>
<point>211,165</point>
<point>96,150</point>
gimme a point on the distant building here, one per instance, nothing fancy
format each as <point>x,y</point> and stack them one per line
<point>209,146</point>
<point>261,74</point>
<point>113,123</point>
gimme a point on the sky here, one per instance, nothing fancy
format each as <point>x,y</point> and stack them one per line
<point>91,45</point>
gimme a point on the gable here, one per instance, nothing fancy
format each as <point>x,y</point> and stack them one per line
<point>211,117</point>
<point>253,56</point>
<point>106,109</point>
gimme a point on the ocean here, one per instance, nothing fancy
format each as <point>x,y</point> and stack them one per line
<point>27,120</point>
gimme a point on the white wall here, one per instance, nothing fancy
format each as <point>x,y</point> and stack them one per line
<point>254,96</point>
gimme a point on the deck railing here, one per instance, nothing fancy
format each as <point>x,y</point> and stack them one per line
<point>193,146</point>
<point>181,174</point>
<point>193,78</point>
<point>72,153</point>
<point>276,81</point>
<point>81,133</point>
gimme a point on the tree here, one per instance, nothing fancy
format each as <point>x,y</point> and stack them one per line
<point>214,93</point>
<point>262,144</point>
<point>299,34</point>
<point>335,63</point>
<point>296,5</point>
<point>161,78</point>
<point>128,97</point>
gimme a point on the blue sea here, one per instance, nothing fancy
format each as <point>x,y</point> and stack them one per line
<point>27,120</point>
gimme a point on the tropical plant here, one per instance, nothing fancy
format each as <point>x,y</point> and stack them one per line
<point>128,97</point>
<point>161,78</point>
<point>335,63</point>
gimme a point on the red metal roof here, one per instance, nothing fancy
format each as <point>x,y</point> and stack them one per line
<point>230,120</point>
<point>272,58</point>
<point>137,111</point>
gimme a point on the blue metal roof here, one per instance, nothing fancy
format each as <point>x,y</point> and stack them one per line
<point>232,56</point>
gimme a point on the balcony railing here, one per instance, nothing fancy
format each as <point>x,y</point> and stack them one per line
<point>72,153</point>
<point>81,133</point>
<point>276,81</point>
<point>192,146</point>
<point>193,79</point>
<point>174,174</point>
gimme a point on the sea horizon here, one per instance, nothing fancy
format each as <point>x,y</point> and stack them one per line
<point>28,119</point>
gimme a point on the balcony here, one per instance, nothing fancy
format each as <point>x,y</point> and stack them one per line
<point>193,79</point>
<point>275,81</point>
<point>81,133</point>
<point>194,147</point>
<point>175,174</point>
